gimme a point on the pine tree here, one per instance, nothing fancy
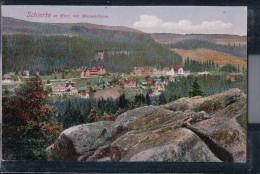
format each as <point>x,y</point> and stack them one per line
<point>195,89</point>
<point>68,116</point>
<point>91,92</point>
<point>172,98</point>
<point>162,99</point>
<point>213,65</point>
<point>79,119</point>
<point>123,102</point>
<point>86,110</point>
<point>148,100</point>
<point>136,99</point>
<point>142,98</point>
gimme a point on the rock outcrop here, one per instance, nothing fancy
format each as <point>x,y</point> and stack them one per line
<point>210,129</point>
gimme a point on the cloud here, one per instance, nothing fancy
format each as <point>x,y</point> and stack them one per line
<point>152,24</point>
<point>147,21</point>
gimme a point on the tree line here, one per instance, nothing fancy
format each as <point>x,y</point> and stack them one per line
<point>196,66</point>
<point>209,85</point>
<point>74,111</point>
<point>192,44</point>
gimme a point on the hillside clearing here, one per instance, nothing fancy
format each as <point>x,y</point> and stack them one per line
<point>204,55</point>
<point>107,93</point>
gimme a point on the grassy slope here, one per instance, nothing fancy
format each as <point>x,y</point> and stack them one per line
<point>206,54</point>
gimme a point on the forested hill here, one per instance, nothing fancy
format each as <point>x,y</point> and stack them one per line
<point>48,52</point>
<point>12,25</point>
<point>193,44</point>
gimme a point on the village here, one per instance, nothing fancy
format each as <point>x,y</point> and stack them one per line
<point>97,82</point>
<point>141,79</point>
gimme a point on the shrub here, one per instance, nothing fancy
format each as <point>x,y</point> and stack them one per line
<point>93,116</point>
<point>107,117</point>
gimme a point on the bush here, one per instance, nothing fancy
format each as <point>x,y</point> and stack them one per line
<point>107,117</point>
<point>93,116</point>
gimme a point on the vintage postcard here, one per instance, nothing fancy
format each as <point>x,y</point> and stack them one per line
<point>124,83</point>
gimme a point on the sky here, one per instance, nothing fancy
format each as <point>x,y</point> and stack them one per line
<point>149,19</point>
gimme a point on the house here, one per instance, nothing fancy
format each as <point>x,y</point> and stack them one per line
<point>36,73</point>
<point>155,94</point>
<point>144,83</point>
<point>99,55</point>
<point>95,87</point>
<point>108,84</point>
<point>170,72</point>
<point>158,87</point>
<point>157,81</point>
<point>78,69</point>
<point>84,95</point>
<point>155,71</point>
<point>231,76</point>
<point>117,52</point>
<point>58,87</point>
<point>150,81</point>
<point>61,88</point>
<point>7,78</point>
<point>124,75</point>
<point>166,69</point>
<point>84,89</point>
<point>92,72</point>
<point>143,71</point>
<point>172,79</point>
<point>73,92</point>
<point>26,74</point>
<point>178,70</point>
<point>161,73</point>
<point>128,84</point>
<point>70,86</point>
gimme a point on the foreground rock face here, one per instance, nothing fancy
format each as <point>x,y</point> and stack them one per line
<point>210,129</point>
